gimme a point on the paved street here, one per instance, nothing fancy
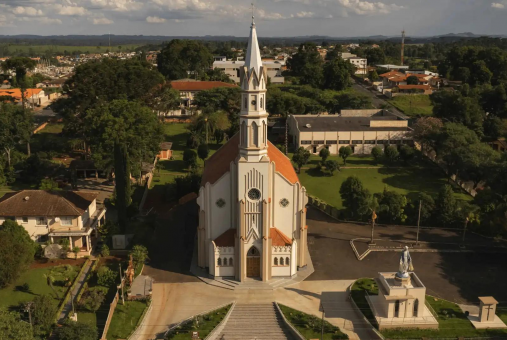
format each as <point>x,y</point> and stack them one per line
<point>376,98</point>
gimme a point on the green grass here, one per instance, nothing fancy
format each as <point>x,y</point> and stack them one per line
<point>413,105</point>
<point>409,180</point>
<point>14,294</point>
<point>60,49</point>
<point>207,323</point>
<point>452,321</point>
<point>125,319</point>
<point>310,326</point>
<point>88,318</point>
<point>52,128</point>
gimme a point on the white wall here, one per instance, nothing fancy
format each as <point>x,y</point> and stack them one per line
<point>278,253</point>
<point>224,253</point>
<point>220,218</point>
<point>284,218</point>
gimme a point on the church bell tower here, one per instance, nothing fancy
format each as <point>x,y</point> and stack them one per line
<point>253,116</point>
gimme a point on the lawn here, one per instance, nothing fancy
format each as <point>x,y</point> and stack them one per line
<point>125,319</point>
<point>417,105</point>
<point>204,325</point>
<point>54,128</point>
<point>310,326</point>
<point>33,283</point>
<point>452,321</point>
<point>409,180</point>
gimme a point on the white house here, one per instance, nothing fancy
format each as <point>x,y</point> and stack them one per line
<point>55,215</point>
<point>252,215</point>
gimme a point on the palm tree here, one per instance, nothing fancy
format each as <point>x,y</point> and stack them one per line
<point>208,123</point>
<point>49,281</point>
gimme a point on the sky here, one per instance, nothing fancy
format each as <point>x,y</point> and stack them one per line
<point>274,18</point>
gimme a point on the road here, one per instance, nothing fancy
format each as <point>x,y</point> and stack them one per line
<point>376,98</point>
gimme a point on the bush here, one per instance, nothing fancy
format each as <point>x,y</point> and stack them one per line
<point>92,299</point>
<point>106,277</point>
<point>104,250</point>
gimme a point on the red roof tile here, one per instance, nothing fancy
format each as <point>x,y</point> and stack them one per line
<point>226,239</point>
<point>198,85</point>
<point>279,239</point>
<point>417,87</point>
<point>219,164</point>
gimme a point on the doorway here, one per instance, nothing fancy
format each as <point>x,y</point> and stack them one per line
<point>253,263</point>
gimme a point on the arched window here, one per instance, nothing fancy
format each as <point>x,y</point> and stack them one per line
<point>262,102</point>
<point>230,261</point>
<point>244,134</point>
<point>416,308</point>
<point>281,261</point>
<point>219,262</point>
<point>225,261</point>
<point>255,134</point>
<point>397,309</point>
<point>245,102</point>
<point>276,261</point>
<point>264,133</point>
<point>287,261</point>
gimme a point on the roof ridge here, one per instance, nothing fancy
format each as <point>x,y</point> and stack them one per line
<point>70,204</point>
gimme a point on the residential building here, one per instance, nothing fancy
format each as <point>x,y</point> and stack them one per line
<point>252,207</point>
<point>33,97</point>
<point>362,130</point>
<point>189,88</point>
<point>55,215</point>
<point>361,64</point>
<point>232,68</point>
<point>165,150</point>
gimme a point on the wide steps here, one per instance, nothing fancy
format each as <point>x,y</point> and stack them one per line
<point>255,322</point>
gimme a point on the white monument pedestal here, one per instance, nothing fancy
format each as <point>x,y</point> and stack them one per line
<point>401,303</point>
<point>487,317</point>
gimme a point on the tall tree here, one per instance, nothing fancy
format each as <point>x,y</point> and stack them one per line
<point>337,74</point>
<point>132,132</point>
<point>181,58</point>
<point>44,311</point>
<point>72,330</point>
<point>307,65</point>
<point>345,152</point>
<point>355,197</point>
<point>446,206</point>
<point>301,157</point>
<point>392,206</point>
<point>163,99</point>
<point>13,328</point>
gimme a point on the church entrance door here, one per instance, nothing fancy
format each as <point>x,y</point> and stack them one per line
<point>253,263</point>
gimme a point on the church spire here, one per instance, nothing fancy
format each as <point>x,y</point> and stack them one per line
<point>253,53</point>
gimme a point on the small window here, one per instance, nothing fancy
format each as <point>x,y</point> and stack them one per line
<point>284,202</point>
<point>276,261</point>
<point>281,261</point>
<point>344,142</point>
<point>318,142</point>
<point>306,142</point>
<point>254,194</point>
<point>66,221</point>
<point>225,261</point>
<point>287,261</point>
<point>25,219</point>
<point>262,102</point>
<point>219,262</point>
<point>230,261</point>
<point>40,221</point>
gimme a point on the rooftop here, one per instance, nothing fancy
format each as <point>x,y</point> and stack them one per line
<point>337,123</point>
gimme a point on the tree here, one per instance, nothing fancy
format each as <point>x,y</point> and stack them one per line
<point>324,154</point>
<point>179,58</point>
<point>391,153</point>
<point>13,328</point>
<point>203,151</point>
<point>76,251</point>
<point>163,99</point>
<point>190,157</point>
<point>17,251</point>
<point>72,330</point>
<point>345,152</point>
<point>337,74</point>
<point>356,199</point>
<point>48,184</point>
<point>446,206</point>
<point>412,80</point>
<point>426,131</point>
<point>427,208</point>
<point>16,126</point>
<point>406,153</point>
<point>133,133</point>
<point>332,166</point>
<point>210,124</point>
<point>104,250</point>
<point>477,161</point>
<point>139,254</point>
<point>50,282</point>
<point>392,205</point>
<point>106,277</point>
<point>373,75</point>
<point>301,157</point>
<point>44,311</point>
<point>377,153</point>
<point>452,137</point>
<point>307,65</point>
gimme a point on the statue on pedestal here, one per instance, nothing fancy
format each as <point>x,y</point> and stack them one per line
<point>405,264</point>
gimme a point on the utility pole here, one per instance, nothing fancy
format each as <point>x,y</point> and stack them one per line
<point>28,307</point>
<point>418,222</point>
<point>373,218</point>
<point>402,47</point>
<point>322,323</point>
<point>121,285</point>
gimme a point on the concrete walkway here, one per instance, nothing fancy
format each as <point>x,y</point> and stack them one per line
<point>174,302</point>
<point>75,291</point>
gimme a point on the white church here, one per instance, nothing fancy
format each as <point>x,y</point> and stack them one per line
<point>252,215</point>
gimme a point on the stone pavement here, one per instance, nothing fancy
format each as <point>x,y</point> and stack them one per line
<point>67,309</point>
<point>174,302</point>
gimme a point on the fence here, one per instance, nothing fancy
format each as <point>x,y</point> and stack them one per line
<point>112,308</point>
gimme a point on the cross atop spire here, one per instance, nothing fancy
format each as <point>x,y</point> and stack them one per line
<point>253,17</point>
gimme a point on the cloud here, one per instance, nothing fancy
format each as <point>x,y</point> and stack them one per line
<point>73,11</point>
<point>117,5</point>
<point>497,5</point>
<point>366,7</point>
<point>304,14</point>
<point>41,20</point>
<point>155,20</point>
<point>102,21</point>
<point>27,11</point>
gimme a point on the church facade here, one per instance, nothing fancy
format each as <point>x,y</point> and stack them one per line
<point>252,215</point>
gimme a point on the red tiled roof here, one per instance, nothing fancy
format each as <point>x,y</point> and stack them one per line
<point>391,74</point>
<point>219,164</point>
<point>417,87</point>
<point>279,239</point>
<point>46,203</point>
<point>226,239</point>
<point>198,85</point>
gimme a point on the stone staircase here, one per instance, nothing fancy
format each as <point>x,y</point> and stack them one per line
<point>255,322</point>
